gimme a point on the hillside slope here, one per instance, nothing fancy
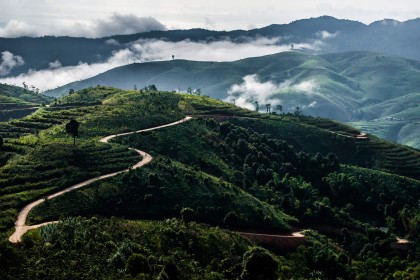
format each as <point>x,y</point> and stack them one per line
<point>350,87</point>
<point>226,168</point>
<point>16,102</point>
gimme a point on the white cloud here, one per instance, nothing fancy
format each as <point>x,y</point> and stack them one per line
<point>54,65</point>
<point>150,50</point>
<point>112,42</point>
<point>115,24</point>
<point>327,35</point>
<point>308,87</point>
<point>52,78</point>
<point>252,89</point>
<point>312,104</point>
<point>214,51</point>
<point>16,28</point>
<point>9,61</point>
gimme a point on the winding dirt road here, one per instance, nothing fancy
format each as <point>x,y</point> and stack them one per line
<point>20,225</point>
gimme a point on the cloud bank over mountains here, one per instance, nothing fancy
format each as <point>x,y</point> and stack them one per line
<point>145,50</point>
<point>120,24</point>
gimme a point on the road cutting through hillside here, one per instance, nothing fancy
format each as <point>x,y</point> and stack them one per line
<point>293,239</point>
<point>20,225</point>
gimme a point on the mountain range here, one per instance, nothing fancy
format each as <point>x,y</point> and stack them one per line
<point>318,35</point>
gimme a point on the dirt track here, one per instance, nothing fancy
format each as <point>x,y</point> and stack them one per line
<point>20,225</point>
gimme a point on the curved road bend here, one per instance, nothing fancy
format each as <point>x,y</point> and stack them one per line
<point>20,225</point>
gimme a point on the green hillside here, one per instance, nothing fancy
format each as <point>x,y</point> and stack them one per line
<point>17,102</point>
<point>227,169</point>
<point>349,87</point>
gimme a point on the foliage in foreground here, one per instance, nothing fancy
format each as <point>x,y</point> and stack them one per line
<point>116,249</point>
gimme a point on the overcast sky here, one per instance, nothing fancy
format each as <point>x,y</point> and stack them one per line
<point>97,17</point>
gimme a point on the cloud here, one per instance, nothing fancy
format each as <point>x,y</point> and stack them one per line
<point>112,42</point>
<point>312,104</point>
<point>52,78</point>
<point>252,89</point>
<point>54,65</point>
<point>9,61</point>
<point>125,24</point>
<point>326,35</point>
<point>225,50</point>
<point>152,50</point>
<point>116,24</point>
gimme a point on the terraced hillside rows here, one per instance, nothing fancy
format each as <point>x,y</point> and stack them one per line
<point>38,157</point>
<point>257,173</point>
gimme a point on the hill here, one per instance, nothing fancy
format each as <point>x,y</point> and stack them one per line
<point>228,168</point>
<point>16,102</point>
<point>376,92</point>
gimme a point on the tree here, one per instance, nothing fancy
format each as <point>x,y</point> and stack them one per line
<point>231,219</point>
<point>257,107</point>
<point>71,91</point>
<point>1,142</point>
<point>298,111</point>
<point>150,88</point>
<point>187,214</point>
<point>189,90</point>
<point>259,264</point>
<point>279,108</point>
<point>72,128</point>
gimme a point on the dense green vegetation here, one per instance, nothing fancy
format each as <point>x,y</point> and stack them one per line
<point>227,168</point>
<point>16,96</point>
<point>17,102</point>
<point>162,190</point>
<point>114,249</point>
<point>315,135</point>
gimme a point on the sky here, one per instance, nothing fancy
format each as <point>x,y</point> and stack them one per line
<point>96,18</point>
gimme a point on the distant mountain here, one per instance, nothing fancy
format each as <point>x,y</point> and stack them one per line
<point>365,88</point>
<point>328,34</point>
